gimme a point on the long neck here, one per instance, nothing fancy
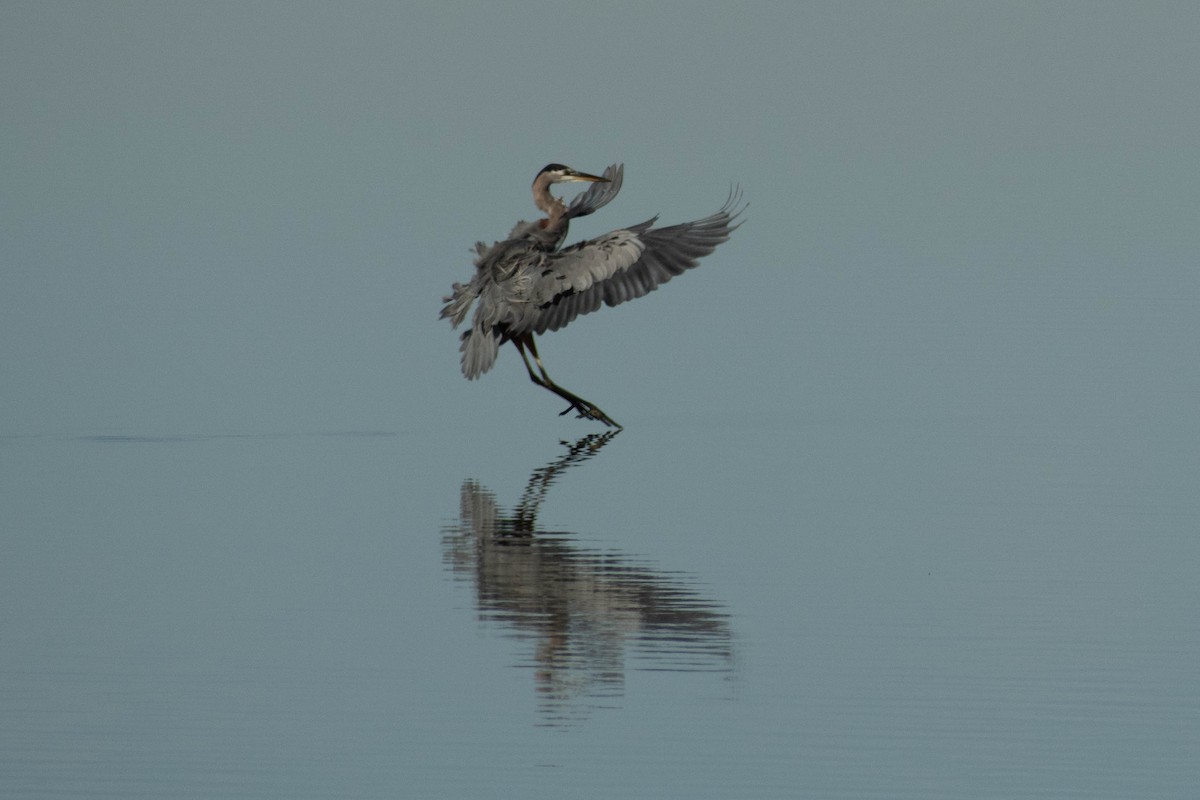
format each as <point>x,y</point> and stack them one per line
<point>548,203</point>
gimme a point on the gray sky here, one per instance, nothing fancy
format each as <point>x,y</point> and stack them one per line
<point>241,217</point>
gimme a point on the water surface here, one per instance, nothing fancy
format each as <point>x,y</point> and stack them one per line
<point>846,608</point>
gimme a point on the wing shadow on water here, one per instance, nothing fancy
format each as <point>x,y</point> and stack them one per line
<point>586,611</point>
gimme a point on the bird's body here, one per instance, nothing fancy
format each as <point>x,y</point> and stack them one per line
<point>529,284</point>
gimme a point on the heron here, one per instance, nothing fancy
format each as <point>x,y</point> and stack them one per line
<point>529,283</point>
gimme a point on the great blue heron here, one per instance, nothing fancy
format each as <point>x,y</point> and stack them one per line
<point>529,284</point>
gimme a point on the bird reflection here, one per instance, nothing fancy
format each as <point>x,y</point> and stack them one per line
<point>584,610</point>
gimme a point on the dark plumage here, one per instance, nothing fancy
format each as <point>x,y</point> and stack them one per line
<point>529,284</point>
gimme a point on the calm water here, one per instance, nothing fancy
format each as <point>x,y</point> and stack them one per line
<point>906,504</point>
<point>843,607</point>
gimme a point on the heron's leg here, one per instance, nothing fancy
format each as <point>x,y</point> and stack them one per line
<point>537,360</point>
<point>586,410</point>
<point>525,359</point>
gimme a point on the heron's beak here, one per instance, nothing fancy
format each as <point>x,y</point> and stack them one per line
<point>584,177</point>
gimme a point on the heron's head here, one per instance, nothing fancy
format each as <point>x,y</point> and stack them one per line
<point>559,173</point>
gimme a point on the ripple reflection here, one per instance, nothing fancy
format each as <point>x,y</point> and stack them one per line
<point>585,610</point>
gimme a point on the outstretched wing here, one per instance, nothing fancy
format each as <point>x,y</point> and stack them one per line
<point>624,265</point>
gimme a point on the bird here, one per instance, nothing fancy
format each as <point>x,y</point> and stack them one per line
<point>529,284</point>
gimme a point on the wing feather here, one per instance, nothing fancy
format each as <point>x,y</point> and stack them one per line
<point>625,264</point>
<point>523,285</point>
<point>480,346</point>
<point>598,195</point>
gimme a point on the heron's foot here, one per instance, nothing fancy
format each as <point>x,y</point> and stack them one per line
<point>586,410</point>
